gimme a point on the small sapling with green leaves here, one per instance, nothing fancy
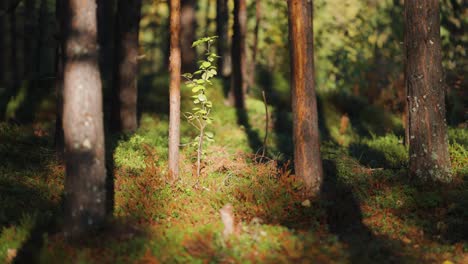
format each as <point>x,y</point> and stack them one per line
<point>198,82</point>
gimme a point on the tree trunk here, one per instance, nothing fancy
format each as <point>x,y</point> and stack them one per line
<point>59,62</point>
<point>237,95</point>
<point>41,25</point>
<point>28,37</point>
<point>307,160</point>
<point>174,90</point>
<point>188,27</point>
<point>15,81</point>
<point>105,11</point>
<point>3,35</point>
<point>126,69</point>
<point>222,21</point>
<point>258,15</point>
<point>428,144</point>
<point>85,182</point>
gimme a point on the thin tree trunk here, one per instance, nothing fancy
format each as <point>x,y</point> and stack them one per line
<point>13,53</point>
<point>222,19</point>
<point>188,27</point>
<point>258,16</point>
<point>174,90</point>
<point>41,26</point>
<point>105,10</point>
<point>126,68</point>
<point>59,62</point>
<point>28,37</point>
<point>237,95</point>
<point>428,144</point>
<point>3,34</point>
<point>307,160</point>
<point>85,182</point>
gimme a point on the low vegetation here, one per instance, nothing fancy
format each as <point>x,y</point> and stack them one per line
<point>369,211</point>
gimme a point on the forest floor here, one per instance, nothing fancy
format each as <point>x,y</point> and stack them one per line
<point>369,210</point>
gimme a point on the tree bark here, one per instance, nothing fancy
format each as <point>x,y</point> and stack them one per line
<point>124,111</point>
<point>59,62</point>
<point>428,143</point>
<point>28,29</point>
<point>174,90</point>
<point>222,21</point>
<point>188,27</point>
<point>258,16</point>
<point>105,11</point>
<point>15,81</point>
<point>238,87</point>
<point>307,160</point>
<point>85,182</point>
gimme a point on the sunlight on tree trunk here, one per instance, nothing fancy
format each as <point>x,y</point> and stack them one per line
<point>428,141</point>
<point>307,160</point>
<point>174,91</point>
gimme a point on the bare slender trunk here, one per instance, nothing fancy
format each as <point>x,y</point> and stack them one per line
<point>28,30</point>
<point>174,91</point>
<point>307,160</point>
<point>428,143</point>
<point>237,93</point>
<point>85,182</point>
<point>126,68</point>
<point>59,62</point>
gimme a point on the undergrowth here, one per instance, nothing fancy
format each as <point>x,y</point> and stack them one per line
<point>369,212</point>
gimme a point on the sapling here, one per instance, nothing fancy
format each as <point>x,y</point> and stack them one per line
<point>198,82</point>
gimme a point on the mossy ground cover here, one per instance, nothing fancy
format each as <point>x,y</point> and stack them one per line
<point>368,212</point>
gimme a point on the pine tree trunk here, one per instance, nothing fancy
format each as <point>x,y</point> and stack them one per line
<point>188,27</point>
<point>222,19</point>
<point>59,62</point>
<point>28,29</point>
<point>237,93</point>
<point>258,15</point>
<point>307,160</point>
<point>428,142</point>
<point>174,90</point>
<point>85,182</point>
<point>126,66</point>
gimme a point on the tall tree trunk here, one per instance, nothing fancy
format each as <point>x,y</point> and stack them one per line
<point>258,16</point>
<point>188,27</point>
<point>59,62</point>
<point>15,81</point>
<point>307,160</point>
<point>222,21</point>
<point>85,182</point>
<point>41,25</point>
<point>105,12</point>
<point>3,34</point>
<point>428,144</point>
<point>174,90</point>
<point>28,31</point>
<point>237,95</point>
<point>126,69</point>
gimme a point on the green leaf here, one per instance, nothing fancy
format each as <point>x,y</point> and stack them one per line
<point>209,134</point>
<point>198,88</point>
<point>201,97</point>
<point>187,75</point>
<point>205,64</point>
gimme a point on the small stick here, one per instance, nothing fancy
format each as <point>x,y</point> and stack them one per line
<point>266,124</point>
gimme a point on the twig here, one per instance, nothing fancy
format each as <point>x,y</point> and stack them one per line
<point>266,125</point>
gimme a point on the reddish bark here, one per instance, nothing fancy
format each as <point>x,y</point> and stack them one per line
<point>85,182</point>
<point>174,90</point>
<point>307,160</point>
<point>428,142</point>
